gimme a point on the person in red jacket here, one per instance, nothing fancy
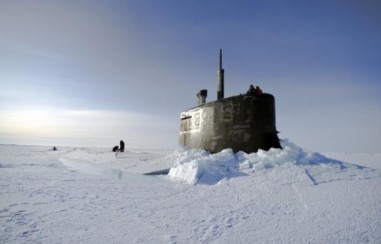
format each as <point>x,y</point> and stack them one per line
<point>258,90</point>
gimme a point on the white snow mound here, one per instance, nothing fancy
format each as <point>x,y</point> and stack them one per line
<point>197,166</point>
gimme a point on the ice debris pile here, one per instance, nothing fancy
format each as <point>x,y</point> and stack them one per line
<point>196,166</point>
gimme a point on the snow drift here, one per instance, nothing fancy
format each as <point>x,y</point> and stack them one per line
<point>196,166</point>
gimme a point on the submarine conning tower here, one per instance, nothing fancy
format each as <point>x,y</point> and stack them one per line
<point>244,123</point>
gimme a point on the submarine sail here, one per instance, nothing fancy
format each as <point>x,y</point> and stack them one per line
<point>244,123</point>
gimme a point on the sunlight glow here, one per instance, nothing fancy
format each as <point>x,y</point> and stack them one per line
<point>51,125</point>
<point>58,122</point>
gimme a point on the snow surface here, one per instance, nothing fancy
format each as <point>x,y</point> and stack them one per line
<point>91,195</point>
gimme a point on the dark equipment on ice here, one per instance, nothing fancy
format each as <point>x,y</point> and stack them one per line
<point>115,149</point>
<point>244,122</point>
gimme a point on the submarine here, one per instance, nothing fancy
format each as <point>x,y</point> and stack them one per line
<point>245,122</point>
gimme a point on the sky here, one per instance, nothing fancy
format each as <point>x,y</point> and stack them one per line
<point>90,73</point>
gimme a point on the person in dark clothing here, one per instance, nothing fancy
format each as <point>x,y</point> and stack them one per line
<point>121,146</point>
<point>251,91</point>
<point>115,149</point>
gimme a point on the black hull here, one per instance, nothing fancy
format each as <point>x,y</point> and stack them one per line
<point>243,123</point>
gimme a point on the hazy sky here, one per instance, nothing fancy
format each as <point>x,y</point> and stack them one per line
<point>93,72</point>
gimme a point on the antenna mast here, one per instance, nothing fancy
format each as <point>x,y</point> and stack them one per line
<point>220,81</point>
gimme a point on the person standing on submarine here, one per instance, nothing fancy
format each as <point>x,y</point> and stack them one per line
<point>121,148</point>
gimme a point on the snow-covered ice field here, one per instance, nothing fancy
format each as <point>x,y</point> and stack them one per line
<point>90,195</point>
